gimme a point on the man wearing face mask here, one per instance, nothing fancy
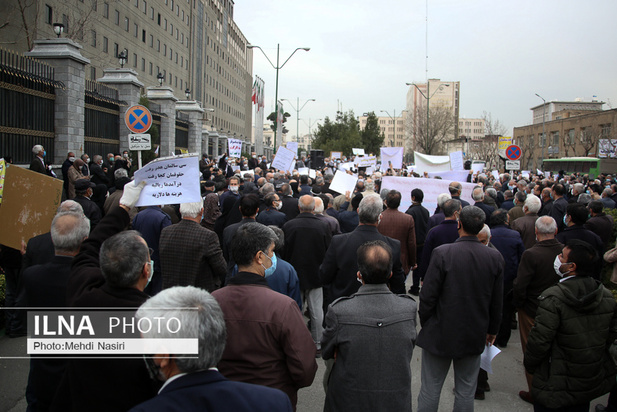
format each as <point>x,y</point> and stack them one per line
<point>84,190</point>
<point>272,215</point>
<point>576,322</point>
<point>230,197</point>
<point>96,170</point>
<point>535,274</point>
<point>267,340</point>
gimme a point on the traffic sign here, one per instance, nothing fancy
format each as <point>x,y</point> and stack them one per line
<point>513,165</point>
<point>513,152</point>
<point>138,119</point>
<point>139,142</point>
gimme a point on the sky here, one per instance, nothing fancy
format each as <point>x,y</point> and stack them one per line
<point>363,52</point>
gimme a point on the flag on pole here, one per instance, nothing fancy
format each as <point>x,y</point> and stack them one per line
<point>258,93</point>
<point>280,116</point>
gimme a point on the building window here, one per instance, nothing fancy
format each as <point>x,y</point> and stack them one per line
<point>151,44</point>
<point>158,45</point>
<point>126,24</point>
<point>176,58</point>
<point>92,73</point>
<point>136,3</point>
<point>65,21</point>
<point>105,44</point>
<point>171,29</point>
<point>571,135</point>
<point>542,139</point>
<point>116,49</point>
<point>152,13</point>
<point>49,14</point>
<point>93,38</point>
<point>135,29</point>
<point>143,36</point>
<point>150,67</point>
<point>145,7</point>
<point>117,17</point>
<point>165,24</point>
<point>164,50</point>
<point>606,131</point>
<point>555,138</point>
<point>143,65</point>
<point>106,10</point>
<point>134,60</point>
<point>159,19</point>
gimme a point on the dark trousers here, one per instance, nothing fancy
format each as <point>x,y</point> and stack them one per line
<point>416,273</point>
<point>574,408</point>
<point>505,329</point>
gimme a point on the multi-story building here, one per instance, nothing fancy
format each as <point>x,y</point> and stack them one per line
<point>439,94</point>
<point>195,45</point>
<point>471,129</point>
<point>557,110</point>
<point>570,132</point>
<point>393,128</point>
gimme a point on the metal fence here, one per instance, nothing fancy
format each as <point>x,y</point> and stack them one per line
<point>27,94</point>
<point>102,117</point>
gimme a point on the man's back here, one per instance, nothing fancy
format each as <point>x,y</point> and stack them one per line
<point>363,370</point>
<point>400,226</point>
<point>420,218</point>
<point>460,301</point>
<point>526,226</point>
<point>191,256</point>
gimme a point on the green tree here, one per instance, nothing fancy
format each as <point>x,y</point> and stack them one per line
<point>272,117</point>
<point>372,136</point>
<point>340,135</point>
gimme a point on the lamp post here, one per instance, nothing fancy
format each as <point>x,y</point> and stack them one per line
<point>297,108</point>
<point>394,123</point>
<point>58,29</point>
<point>543,122</point>
<point>187,93</point>
<point>428,97</point>
<point>310,126</point>
<point>160,77</point>
<point>277,68</point>
<point>122,58</point>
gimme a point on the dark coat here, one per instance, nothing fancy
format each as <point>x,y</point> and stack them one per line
<point>271,216</point>
<point>208,390</point>
<point>348,220</point>
<point>579,232</point>
<point>567,349</point>
<point>40,250</point>
<point>87,383</point>
<point>461,299</point>
<point>400,226</point>
<point>535,274</point>
<point>601,225</point>
<point>546,208</point>
<point>290,207</point>
<point>558,210</point>
<point>436,219</point>
<point>488,210</point>
<point>306,240</point>
<point>228,235</point>
<point>507,204</point>
<point>36,165</point>
<point>508,242</point>
<point>445,232</point>
<point>363,371</point>
<point>340,265</point>
<point>420,218</point>
<point>98,176</point>
<point>91,210</point>
<point>526,226</point>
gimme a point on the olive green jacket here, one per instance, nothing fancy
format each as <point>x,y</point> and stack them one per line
<point>567,349</point>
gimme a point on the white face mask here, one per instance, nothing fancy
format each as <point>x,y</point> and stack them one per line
<point>71,159</point>
<point>234,188</point>
<point>557,266</point>
<point>279,205</point>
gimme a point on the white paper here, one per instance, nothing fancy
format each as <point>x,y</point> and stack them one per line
<point>250,172</point>
<point>170,180</point>
<point>343,182</point>
<point>490,351</point>
<point>312,173</point>
<point>235,147</point>
<point>366,161</point>
<point>496,175</point>
<point>525,174</point>
<point>284,159</point>
<point>539,172</point>
<point>430,163</point>
<point>235,168</point>
<point>452,175</point>
<point>392,155</point>
<point>358,152</point>
<point>293,146</point>
<point>370,170</point>
<point>430,187</point>
<point>303,171</point>
<point>477,167</point>
<point>336,155</point>
<point>346,166</point>
<point>456,161</point>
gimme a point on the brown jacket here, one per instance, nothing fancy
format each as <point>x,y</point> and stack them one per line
<point>400,226</point>
<point>267,341</point>
<point>526,226</point>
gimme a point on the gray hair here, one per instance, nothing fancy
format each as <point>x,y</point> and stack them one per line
<point>267,188</point>
<point>319,207</point>
<point>190,210</point>
<point>279,243</point>
<point>96,158</point>
<point>441,199</point>
<point>120,173</point>
<point>70,206</point>
<point>491,192</point>
<point>451,206</point>
<point>249,240</point>
<point>486,230</point>
<point>369,185</point>
<point>199,316</point>
<point>122,258</point>
<point>546,225</point>
<point>68,230</point>
<point>370,208</point>
<point>579,187</point>
<point>306,203</point>
<point>477,194</point>
<point>607,192</point>
<point>384,193</point>
<point>533,203</point>
<point>37,148</point>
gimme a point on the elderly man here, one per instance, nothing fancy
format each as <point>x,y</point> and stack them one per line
<point>399,226</point>
<point>575,219</point>
<point>547,202</point>
<point>362,371</point>
<point>104,275</point>
<point>194,384</point>
<point>599,223</point>
<point>74,174</point>
<point>191,254</point>
<point>606,199</point>
<point>535,274</point>
<point>339,267</point>
<point>38,162</point>
<point>478,196</point>
<point>438,216</point>
<point>272,214</point>
<point>420,218</point>
<point>460,310</point>
<point>517,211</point>
<point>83,194</point>
<point>306,240</point>
<point>508,202</point>
<point>567,350</point>
<point>267,340</point>
<point>526,225</point>
<point>456,189</point>
<point>558,210</point>
<point>333,223</point>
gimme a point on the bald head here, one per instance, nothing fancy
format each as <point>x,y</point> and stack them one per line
<point>306,204</point>
<point>68,230</point>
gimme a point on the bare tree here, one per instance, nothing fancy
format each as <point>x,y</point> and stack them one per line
<point>527,144</point>
<point>493,127</point>
<point>441,128</point>
<point>485,149</point>
<point>590,136</point>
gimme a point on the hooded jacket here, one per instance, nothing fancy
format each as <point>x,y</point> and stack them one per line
<point>567,349</point>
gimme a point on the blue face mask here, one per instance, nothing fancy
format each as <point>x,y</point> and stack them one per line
<point>272,268</point>
<point>44,153</point>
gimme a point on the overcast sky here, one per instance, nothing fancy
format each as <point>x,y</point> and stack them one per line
<point>363,52</point>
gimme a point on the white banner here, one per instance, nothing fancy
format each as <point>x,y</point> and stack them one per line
<point>284,159</point>
<point>358,152</point>
<point>170,180</point>
<point>430,163</point>
<point>235,147</point>
<point>366,161</point>
<point>453,175</point>
<point>430,187</point>
<point>391,155</point>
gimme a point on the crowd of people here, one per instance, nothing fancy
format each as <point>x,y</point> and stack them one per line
<point>283,271</point>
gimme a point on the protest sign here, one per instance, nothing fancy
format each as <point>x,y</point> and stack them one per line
<point>235,147</point>
<point>391,155</point>
<point>169,180</point>
<point>358,152</point>
<point>456,161</point>
<point>343,182</point>
<point>366,161</point>
<point>293,146</point>
<point>284,159</point>
<point>430,163</point>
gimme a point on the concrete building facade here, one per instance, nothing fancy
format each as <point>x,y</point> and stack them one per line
<point>393,128</point>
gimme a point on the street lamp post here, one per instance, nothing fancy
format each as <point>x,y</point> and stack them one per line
<point>393,123</point>
<point>277,68</point>
<point>298,109</point>
<point>543,122</point>
<point>428,98</point>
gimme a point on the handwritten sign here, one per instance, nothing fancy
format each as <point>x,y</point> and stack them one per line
<point>235,147</point>
<point>366,161</point>
<point>358,152</point>
<point>336,155</point>
<point>293,146</point>
<point>284,159</point>
<point>170,180</point>
<point>456,161</point>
